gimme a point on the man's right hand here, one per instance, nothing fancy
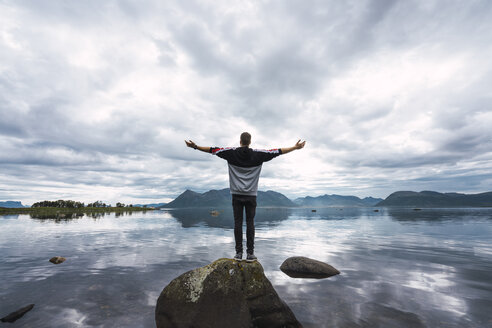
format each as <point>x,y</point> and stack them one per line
<point>298,145</point>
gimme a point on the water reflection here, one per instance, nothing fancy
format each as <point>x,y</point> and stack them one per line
<point>10,217</point>
<point>56,217</point>
<point>438,214</point>
<point>65,217</point>
<point>399,268</point>
<point>223,217</point>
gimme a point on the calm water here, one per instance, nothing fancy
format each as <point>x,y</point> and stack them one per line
<point>399,268</point>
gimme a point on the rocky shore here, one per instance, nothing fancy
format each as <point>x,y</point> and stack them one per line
<point>230,293</point>
<point>225,293</point>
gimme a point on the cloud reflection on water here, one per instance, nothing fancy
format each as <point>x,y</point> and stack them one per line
<point>395,271</point>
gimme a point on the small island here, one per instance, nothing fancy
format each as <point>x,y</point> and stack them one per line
<point>70,209</point>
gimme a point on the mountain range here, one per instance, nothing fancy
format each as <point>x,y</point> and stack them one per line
<point>150,205</point>
<point>336,200</point>
<point>223,198</point>
<point>437,199</point>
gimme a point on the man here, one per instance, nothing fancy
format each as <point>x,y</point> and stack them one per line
<point>244,172</point>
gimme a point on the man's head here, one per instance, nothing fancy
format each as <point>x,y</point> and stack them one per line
<point>245,139</point>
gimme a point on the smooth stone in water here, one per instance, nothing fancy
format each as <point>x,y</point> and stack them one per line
<point>225,293</point>
<point>17,314</point>
<point>303,267</point>
<point>57,260</point>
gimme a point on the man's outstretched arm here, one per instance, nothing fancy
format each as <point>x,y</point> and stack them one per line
<point>193,145</point>
<point>298,145</point>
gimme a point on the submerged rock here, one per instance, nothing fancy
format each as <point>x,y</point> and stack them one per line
<point>225,293</point>
<point>303,267</point>
<point>17,314</point>
<point>57,260</point>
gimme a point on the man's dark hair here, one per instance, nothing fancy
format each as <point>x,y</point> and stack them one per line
<point>245,139</point>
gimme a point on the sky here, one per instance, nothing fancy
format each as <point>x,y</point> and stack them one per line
<point>97,97</point>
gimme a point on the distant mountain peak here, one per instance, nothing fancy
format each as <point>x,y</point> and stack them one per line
<point>335,200</point>
<point>217,198</point>
<point>427,198</point>
<point>11,204</point>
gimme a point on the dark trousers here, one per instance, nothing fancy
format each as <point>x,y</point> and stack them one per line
<point>239,204</point>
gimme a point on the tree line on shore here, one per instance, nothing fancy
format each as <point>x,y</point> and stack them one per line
<point>73,204</point>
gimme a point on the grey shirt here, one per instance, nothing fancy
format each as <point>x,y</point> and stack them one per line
<point>245,167</point>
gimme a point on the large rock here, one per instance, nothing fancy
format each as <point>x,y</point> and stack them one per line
<point>303,267</point>
<point>12,317</point>
<point>225,293</point>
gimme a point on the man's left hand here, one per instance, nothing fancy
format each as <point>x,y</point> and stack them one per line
<point>191,144</point>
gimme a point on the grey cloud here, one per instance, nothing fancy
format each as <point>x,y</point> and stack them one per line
<point>409,160</point>
<point>286,70</point>
<point>468,144</point>
<point>343,31</point>
<point>83,14</point>
<point>249,68</point>
<point>10,129</point>
<point>192,37</point>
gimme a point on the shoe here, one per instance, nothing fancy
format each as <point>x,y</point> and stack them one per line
<point>251,257</point>
<point>238,256</point>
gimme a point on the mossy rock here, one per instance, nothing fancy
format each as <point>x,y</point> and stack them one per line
<point>225,293</point>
